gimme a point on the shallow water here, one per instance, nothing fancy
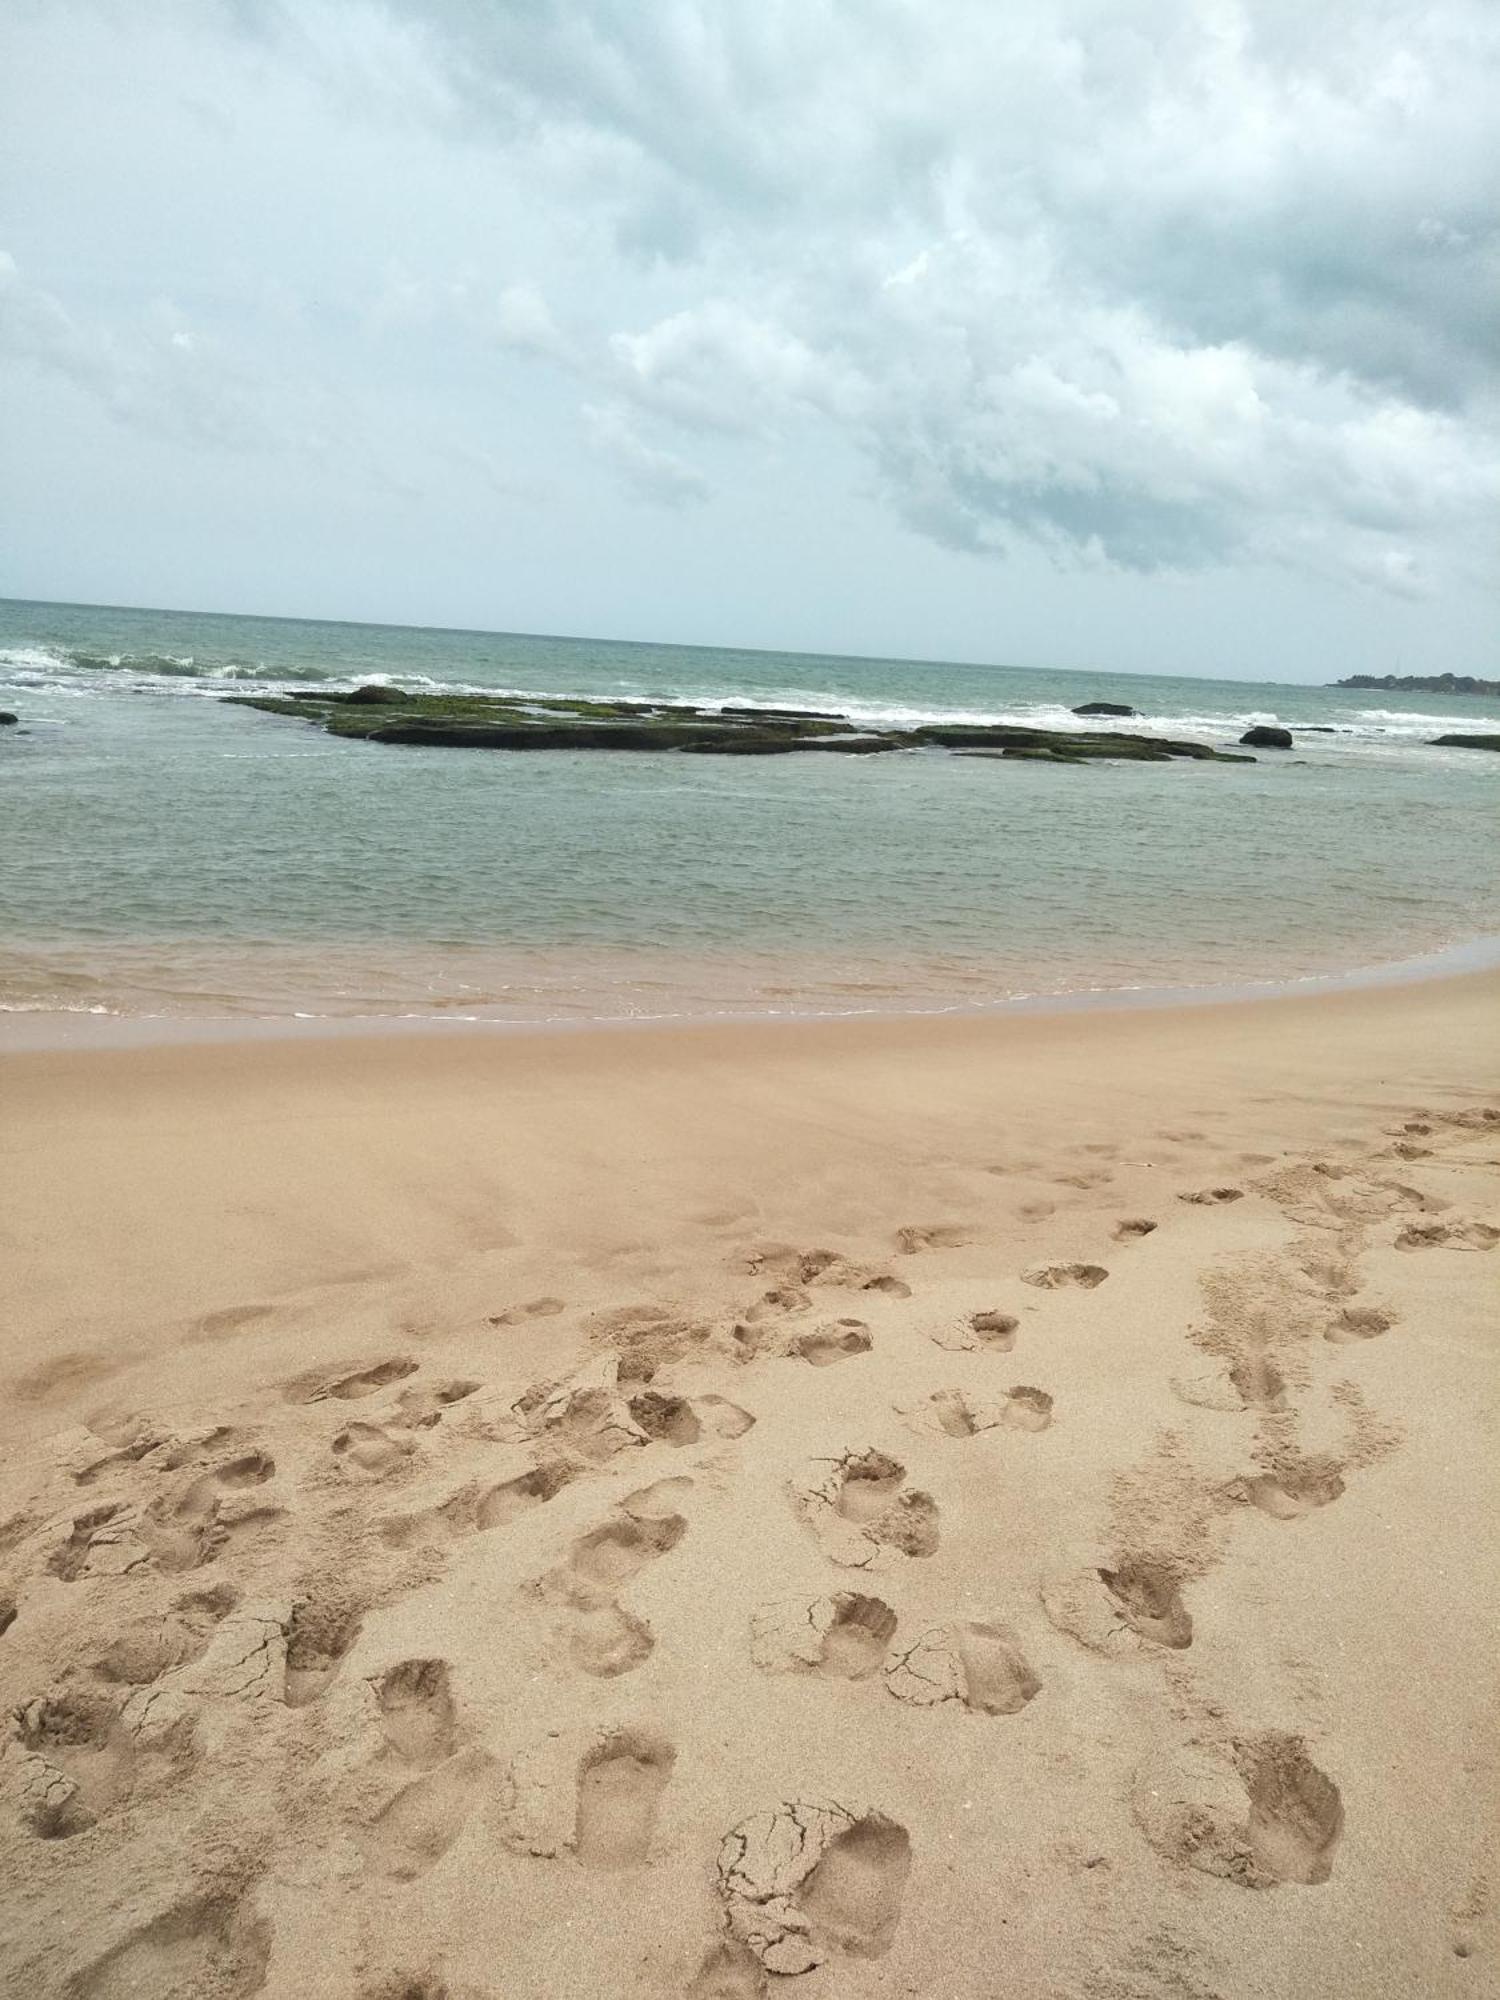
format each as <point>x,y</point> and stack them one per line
<point>164,854</point>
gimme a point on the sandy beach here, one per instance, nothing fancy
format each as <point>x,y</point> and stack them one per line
<point>936,1508</point>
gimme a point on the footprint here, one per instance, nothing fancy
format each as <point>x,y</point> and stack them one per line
<point>1053,1277</point>
<point>1448,1236</point>
<point>666,1419</point>
<point>620,1787</point>
<point>349,1388</point>
<point>1289,1494</point>
<point>229,1319</point>
<point>610,1555</point>
<point>145,1648</point>
<point>932,1236</point>
<point>835,1341</point>
<point>807,1880</point>
<point>208,1945</point>
<point>1133,1228</point>
<point>1359,1323</point>
<point>547,1308</point>
<point>1027,1409</point>
<point>1134,1606</point>
<point>77,1762</point>
<point>657,1502</point>
<point>606,1640</point>
<point>990,1331</point>
<point>420,1409</point>
<point>371,1448</point>
<point>857,1507</point>
<point>418,1826</point>
<point>883,1281</point>
<point>843,1637</point>
<point>1213,1196</point>
<point>1259,1816</point>
<point>1149,1598</point>
<point>417,1711</point>
<point>728,1971</point>
<point>315,1387</point>
<point>723,1418</point>
<point>513,1497</point>
<point>978,1665</point>
<point>319,1634</point>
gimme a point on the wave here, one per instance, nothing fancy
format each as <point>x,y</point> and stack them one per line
<point>1334,728</point>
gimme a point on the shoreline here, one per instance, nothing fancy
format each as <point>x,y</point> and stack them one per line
<point>39,1030</point>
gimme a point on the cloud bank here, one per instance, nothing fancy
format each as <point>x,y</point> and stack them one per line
<point>1087,288</point>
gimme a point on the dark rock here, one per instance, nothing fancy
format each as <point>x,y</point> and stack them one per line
<point>371,694</point>
<point>1466,742</point>
<point>1265,737</point>
<point>1106,708</point>
<point>6,718</point>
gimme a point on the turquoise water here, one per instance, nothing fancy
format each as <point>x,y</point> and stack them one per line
<point>165,854</point>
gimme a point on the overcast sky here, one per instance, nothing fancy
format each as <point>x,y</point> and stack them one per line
<point>1147,334</point>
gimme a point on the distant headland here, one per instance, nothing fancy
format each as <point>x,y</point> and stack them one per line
<point>1423,683</point>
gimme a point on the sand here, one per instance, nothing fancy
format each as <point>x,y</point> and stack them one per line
<point>944,1509</point>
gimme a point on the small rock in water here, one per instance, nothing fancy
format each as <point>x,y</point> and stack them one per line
<point>1264,737</point>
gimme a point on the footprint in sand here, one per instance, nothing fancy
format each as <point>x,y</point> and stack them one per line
<point>728,1971</point>
<point>316,1387</point>
<point>1357,1323</point>
<point>807,1880</point>
<point>959,1413</point>
<point>860,1511</point>
<point>415,1829</point>
<point>1057,1277</point>
<point>1448,1236</point>
<point>1132,1606</point>
<point>931,1236</point>
<point>620,1787</point>
<point>420,1409</point>
<point>76,1762</point>
<point>546,1308</point>
<point>1213,1197</point>
<point>990,1331</point>
<point>842,1637</point>
<point>371,1448</point>
<point>1259,1815</point>
<point>1133,1228</point>
<point>1291,1491</point>
<point>211,1944</point>
<point>194,1527</point>
<point>145,1648</point>
<point>834,1341</point>
<point>1250,1383</point>
<point>973,1664</point>
<point>603,1638</point>
<point>417,1710</point>
<point>320,1632</point>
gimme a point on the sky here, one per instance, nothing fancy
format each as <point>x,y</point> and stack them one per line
<point>1152,335</point>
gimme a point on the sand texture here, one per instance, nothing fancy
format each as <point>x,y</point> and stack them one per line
<point>948,1509</point>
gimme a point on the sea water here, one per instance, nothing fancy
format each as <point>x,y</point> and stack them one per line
<point>165,855</point>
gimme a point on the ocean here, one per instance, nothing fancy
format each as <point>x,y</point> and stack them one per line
<point>167,857</point>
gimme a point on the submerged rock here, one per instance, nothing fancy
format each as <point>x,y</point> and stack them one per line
<point>6,718</point>
<point>1442,742</point>
<point>389,715</point>
<point>1265,737</point>
<point>1106,708</point>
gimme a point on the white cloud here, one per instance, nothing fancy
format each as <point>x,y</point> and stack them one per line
<point>654,474</point>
